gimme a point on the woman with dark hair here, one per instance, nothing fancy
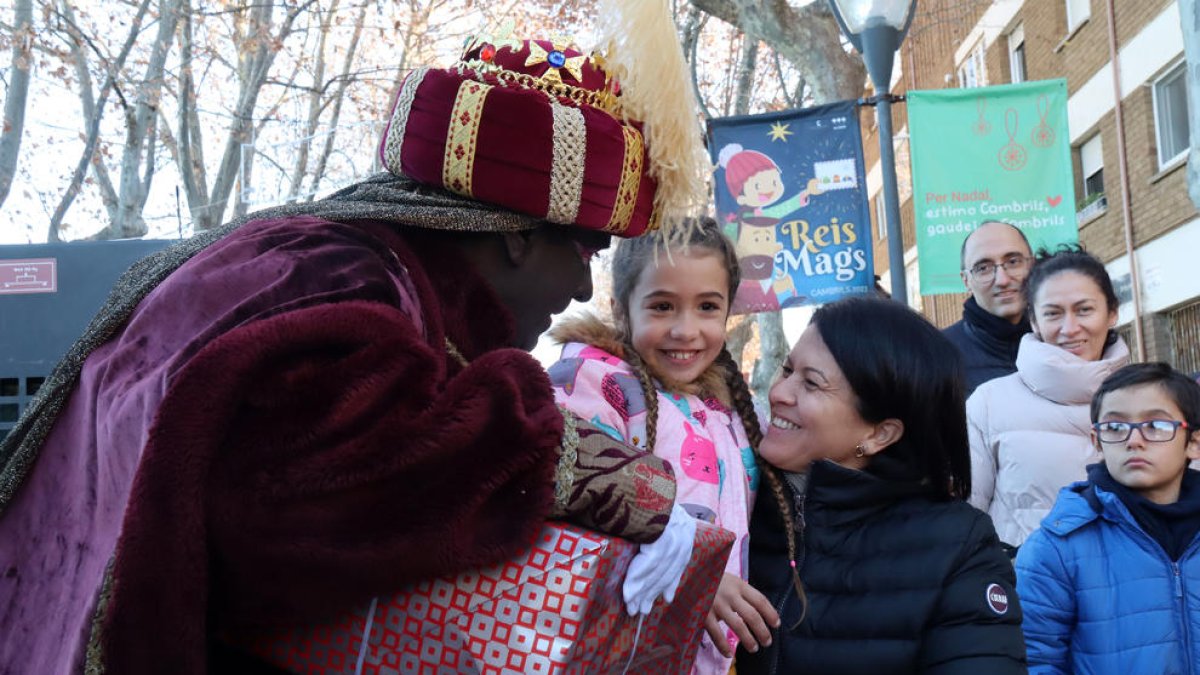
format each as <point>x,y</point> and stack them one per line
<point>864,544</point>
<point>1030,431</point>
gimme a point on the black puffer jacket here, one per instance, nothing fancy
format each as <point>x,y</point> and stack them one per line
<point>988,343</point>
<point>896,582</point>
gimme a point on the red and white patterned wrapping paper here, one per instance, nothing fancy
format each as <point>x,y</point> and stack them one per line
<point>555,608</point>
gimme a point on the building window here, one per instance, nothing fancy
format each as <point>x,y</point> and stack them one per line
<point>1091,164</point>
<point>972,72</point>
<point>1016,54</point>
<point>1091,161</point>
<point>880,216</point>
<point>1185,329</point>
<point>1078,11</point>
<point>912,281</point>
<point>1171,115</point>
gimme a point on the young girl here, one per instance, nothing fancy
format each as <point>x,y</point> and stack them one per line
<point>661,379</point>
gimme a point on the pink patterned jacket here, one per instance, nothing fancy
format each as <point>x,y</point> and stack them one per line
<point>700,436</point>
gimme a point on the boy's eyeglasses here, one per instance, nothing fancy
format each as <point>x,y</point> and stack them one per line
<point>986,270</point>
<point>1154,431</point>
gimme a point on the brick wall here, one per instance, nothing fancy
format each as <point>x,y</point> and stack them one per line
<point>1084,51</point>
<point>1131,16</point>
<point>1156,331</point>
<point>1045,23</point>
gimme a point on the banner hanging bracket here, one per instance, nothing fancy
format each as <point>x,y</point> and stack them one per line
<point>874,100</point>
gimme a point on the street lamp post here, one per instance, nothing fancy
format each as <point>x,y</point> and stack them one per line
<point>876,28</point>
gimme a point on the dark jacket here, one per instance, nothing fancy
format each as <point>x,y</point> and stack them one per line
<point>988,343</point>
<point>896,582</point>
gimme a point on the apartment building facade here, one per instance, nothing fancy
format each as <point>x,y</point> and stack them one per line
<point>1128,122</point>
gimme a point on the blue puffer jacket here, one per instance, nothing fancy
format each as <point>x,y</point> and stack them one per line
<point>1101,596</point>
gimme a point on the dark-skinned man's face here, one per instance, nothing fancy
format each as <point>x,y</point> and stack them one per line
<point>554,268</point>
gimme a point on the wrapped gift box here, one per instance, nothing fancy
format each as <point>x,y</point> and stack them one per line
<point>555,608</point>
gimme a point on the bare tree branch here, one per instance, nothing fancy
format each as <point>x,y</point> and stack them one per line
<point>13,124</point>
<point>93,131</point>
<point>141,120</point>
<point>746,66</point>
<point>807,36</point>
<point>314,105</point>
<point>691,38</point>
<point>252,71</point>
<point>338,97</point>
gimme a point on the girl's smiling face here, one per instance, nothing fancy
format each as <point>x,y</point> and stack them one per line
<point>677,312</point>
<point>761,189</point>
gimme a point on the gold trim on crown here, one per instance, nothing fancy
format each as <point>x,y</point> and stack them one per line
<point>600,100</point>
<point>631,175</point>
<point>459,164</point>
<point>567,164</point>
<point>404,102</point>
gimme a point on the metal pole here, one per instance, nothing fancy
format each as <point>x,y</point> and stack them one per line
<point>879,44</point>
<point>891,200</point>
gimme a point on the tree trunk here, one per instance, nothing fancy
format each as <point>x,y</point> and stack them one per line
<point>315,96</point>
<point>190,139</point>
<point>745,75</point>
<point>339,95</point>
<point>18,93</point>
<point>807,36</point>
<point>87,100</point>
<point>252,74</point>
<point>737,337</point>
<point>92,135</point>
<point>691,39</point>
<point>141,123</point>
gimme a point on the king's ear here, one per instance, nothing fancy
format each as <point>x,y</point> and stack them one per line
<point>517,246</point>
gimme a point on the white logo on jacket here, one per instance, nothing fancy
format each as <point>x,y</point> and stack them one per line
<point>997,598</point>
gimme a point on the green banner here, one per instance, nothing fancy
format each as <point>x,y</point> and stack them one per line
<point>988,153</point>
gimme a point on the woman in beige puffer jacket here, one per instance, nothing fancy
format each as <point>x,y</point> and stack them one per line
<point>1030,432</point>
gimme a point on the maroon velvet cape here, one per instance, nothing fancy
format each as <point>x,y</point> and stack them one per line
<point>298,441</point>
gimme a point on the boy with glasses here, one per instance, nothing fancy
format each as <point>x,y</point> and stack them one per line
<point>995,260</point>
<point>1110,583</point>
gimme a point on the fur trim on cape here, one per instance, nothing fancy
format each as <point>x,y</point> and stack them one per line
<point>590,329</point>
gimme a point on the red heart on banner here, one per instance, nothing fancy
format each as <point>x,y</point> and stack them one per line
<point>1054,201</point>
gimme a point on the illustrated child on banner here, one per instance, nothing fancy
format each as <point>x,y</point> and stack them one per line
<point>795,208</point>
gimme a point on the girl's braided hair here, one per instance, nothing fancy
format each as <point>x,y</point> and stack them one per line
<point>744,405</point>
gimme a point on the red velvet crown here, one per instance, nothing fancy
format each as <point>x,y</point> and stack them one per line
<point>533,126</point>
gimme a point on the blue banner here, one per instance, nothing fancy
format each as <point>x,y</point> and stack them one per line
<point>790,191</point>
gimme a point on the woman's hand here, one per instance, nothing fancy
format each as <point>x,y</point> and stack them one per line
<point>747,613</point>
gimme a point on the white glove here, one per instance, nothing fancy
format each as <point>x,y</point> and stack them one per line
<point>658,566</point>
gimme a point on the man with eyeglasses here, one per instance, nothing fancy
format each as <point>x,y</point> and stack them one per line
<point>995,260</point>
<point>1107,582</point>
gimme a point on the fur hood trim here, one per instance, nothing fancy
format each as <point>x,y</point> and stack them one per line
<point>589,329</point>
